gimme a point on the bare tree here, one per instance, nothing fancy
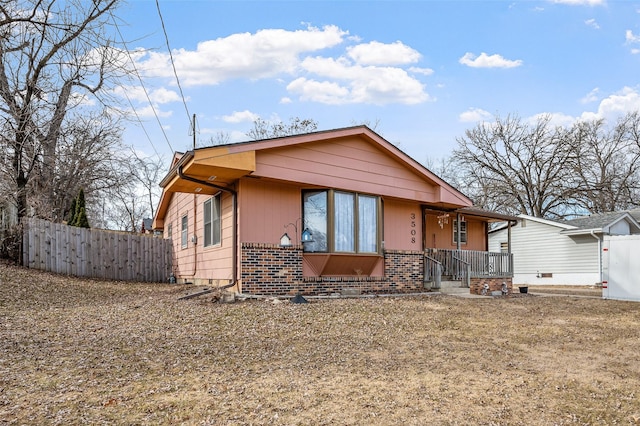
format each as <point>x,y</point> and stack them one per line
<point>517,168</point>
<point>606,173</point>
<point>264,130</point>
<point>218,138</point>
<point>54,56</point>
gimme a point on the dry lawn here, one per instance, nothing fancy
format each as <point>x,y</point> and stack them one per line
<point>88,352</point>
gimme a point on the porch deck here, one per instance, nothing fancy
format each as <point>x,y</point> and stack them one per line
<point>462,265</point>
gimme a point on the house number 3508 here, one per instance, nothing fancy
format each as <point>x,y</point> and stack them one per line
<point>413,228</point>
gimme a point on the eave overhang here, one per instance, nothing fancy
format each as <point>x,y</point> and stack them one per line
<point>217,166</point>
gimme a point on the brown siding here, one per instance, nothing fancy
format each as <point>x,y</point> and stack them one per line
<point>265,208</point>
<point>350,164</point>
<point>442,237</point>
<point>212,262</point>
<point>402,225</point>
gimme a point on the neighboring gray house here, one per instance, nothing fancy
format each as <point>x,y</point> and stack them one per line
<point>561,253</point>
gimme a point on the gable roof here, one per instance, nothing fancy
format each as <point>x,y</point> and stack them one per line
<point>223,165</point>
<point>603,222</point>
<point>591,224</point>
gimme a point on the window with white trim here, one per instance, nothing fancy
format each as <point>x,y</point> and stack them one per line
<point>212,222</point>
<point>463,231</point>
<point>184,231</point>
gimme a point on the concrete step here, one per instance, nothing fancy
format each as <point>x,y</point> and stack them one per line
<point>450,284</point>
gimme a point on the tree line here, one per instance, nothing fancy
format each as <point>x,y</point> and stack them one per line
<point>536,168</point>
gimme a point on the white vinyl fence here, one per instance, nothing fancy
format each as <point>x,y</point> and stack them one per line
<point>95,253</point>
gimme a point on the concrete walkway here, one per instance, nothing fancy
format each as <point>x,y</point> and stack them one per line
<point>464,292</point>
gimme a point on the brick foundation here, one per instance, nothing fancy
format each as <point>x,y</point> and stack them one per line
<point>269,269</point>
<point>476,285</point>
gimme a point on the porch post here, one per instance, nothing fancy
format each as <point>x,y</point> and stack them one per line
<point>458,231</point>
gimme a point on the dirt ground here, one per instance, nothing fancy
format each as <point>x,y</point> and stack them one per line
<point>89,352</point>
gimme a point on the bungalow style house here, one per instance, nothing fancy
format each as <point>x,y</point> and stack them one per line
<point>562,253</point>
<point>321,213</point>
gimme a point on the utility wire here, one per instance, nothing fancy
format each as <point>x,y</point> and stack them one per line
<point>166,37</point>
<point>146,93</point>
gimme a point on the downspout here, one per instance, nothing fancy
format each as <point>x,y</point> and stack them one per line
<point>194,240</point>
<point>509,254</point>
<point>234,206</point>
<point>599,254</point>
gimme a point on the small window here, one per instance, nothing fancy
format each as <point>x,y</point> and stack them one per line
<point>504,247</point>
<point>463,231</point>
<point>212,221</point>
<point>169,231</point>
<point>184,230</point>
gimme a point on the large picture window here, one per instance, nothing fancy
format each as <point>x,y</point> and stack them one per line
<point>342,222</point>
<point>212,221</point>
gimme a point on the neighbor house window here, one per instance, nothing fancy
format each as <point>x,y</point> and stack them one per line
<point>342,222</point>
<point>212,221</point>
<point>463,231</point>
<point>184,231</point>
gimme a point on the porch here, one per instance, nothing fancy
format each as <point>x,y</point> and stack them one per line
<point>480,271</point>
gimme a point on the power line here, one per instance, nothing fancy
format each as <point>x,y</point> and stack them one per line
<point>175,73</point>
<point>146,93</point>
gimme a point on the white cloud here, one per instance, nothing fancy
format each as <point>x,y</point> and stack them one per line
<point>150,112</point>
<point>592,96</point>
<point>592,23</point>
<point>241,117</point>
<point>366,73</point>
<point>319,91</point>
<point>138,94</point>
<point>555,119</point>
<point>423,71</point>
<point>488,61</point>
<point>581,2</point>
<point>630,37</point>
<point>357,84</point>
<point>376,53</point>
<point>610,108</point>
<point>625,101</point>
<point>635,51</point>
<point>473,115</point>
<point>266,53</point>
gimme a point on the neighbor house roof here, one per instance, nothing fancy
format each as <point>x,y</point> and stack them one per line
<point>603,222</point>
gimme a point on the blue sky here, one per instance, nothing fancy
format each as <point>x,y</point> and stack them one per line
<point>424,71</point>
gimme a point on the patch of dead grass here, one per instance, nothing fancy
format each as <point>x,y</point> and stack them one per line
<point>84,352</point>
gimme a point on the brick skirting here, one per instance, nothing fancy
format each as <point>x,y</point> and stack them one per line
<point>269,269</point>
<point>477,285</point>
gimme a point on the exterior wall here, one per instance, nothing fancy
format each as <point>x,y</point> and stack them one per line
<point>402,225</point>
<point>196,263</point>
<point>351,164</point>
<point>620,228</point>
<point>271,270</point>
<point>267,210</point>
<point>442,237</point>
<point>540,249</point>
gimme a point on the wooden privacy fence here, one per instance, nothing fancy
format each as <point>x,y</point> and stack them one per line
<point>95,253</point>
